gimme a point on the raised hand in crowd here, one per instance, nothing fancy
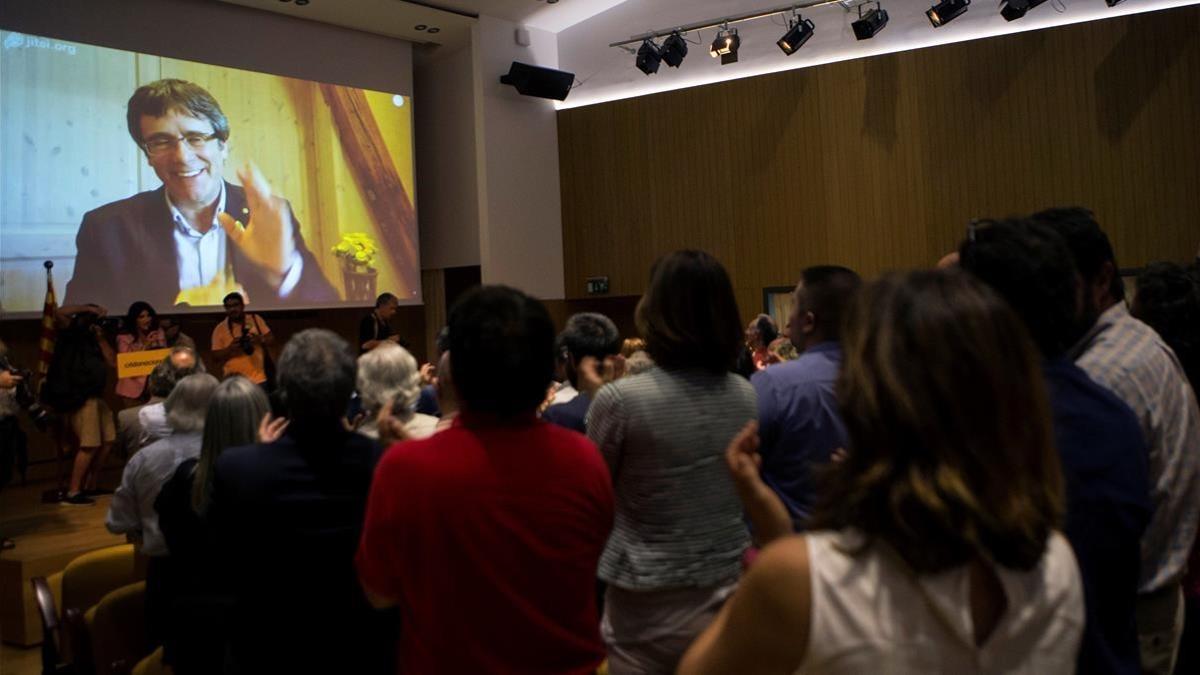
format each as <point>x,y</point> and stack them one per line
<point>764,508</point>
<point>391,429</point>
<point>594,374</point>
<point>271,428</point>
<point>428,372</point>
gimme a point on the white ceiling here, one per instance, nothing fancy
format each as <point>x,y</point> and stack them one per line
<point>394,18</point>
<point>586,27</point>
<point>553,17</point>
<point>452,18</point>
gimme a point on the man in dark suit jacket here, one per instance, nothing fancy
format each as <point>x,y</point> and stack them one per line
<point>126,252</point>
<point>286,519</point>
<point>197,231</point>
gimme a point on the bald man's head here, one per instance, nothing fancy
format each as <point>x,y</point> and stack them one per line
<point>184,359</point>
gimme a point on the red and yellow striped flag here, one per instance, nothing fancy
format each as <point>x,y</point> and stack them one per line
<point>48,327</point>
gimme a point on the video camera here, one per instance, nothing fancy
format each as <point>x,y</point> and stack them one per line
<point>245,341</point>
<point>42,418</point>
<point>110,324</point>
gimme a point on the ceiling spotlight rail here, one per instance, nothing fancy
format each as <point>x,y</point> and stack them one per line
<point>725,22</point>
<point>672,45</point>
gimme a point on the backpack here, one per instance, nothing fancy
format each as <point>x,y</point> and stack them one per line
<point>77,371</point>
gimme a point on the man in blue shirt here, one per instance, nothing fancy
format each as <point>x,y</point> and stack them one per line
<point>586,334</point>
<point>1100,444</point>
<point>798,420</point>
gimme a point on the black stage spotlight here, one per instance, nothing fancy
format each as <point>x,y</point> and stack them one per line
<point>726,46</point>
<point>799,31</point>
<point>648,57</point>
<point>870,23</point>
<point>673,49</point>
<point>946,11</point>
<point>1012,10</point>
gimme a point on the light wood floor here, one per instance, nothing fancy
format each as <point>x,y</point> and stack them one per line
<point>47,537</point>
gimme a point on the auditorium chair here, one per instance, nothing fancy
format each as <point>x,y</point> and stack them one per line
<point>85,581</point>
<point>152,665</point>
<point>47,593</point>
<point>117,628</point>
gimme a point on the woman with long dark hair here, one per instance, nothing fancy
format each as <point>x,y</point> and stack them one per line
<point>139,332</point>
<point>934,545</point>
<point>238,414</point>
<point>675,551</point>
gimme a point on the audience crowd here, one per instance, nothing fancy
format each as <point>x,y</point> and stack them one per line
<point>990,467</point>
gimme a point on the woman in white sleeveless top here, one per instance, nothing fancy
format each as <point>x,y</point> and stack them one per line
<point>934,546</point>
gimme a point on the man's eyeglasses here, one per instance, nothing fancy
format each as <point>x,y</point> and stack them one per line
<point>162,144</point>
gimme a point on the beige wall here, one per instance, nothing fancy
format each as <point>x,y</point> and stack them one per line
<point>520,213</point>
<point>446,104</point>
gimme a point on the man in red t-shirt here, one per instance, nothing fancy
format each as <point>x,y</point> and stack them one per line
<point>487,535</point>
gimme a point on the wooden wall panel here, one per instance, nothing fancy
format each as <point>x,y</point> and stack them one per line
<point>880,163</point>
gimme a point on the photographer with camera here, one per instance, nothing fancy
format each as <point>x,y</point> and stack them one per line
<point>74,388</point>
<point>16,394</point>
<point>240,342</point>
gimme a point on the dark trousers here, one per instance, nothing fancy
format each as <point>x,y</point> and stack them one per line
<point>12,448</point>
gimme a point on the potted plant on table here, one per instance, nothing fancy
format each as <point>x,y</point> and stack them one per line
<point>357,252</point>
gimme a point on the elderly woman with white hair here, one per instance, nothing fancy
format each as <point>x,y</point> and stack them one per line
<point>389,374</point>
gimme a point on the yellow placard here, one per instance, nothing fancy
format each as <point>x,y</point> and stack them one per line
<point>136,364</point>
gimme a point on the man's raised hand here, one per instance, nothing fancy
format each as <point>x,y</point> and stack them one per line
<point>267,237</point>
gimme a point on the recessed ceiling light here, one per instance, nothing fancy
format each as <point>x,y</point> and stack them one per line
<point>420,26</point>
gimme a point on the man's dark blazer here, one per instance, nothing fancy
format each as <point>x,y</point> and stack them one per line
<point>125,251</point>
<point>286,518</point>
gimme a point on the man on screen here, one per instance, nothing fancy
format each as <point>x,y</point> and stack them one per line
<point>197,237</point>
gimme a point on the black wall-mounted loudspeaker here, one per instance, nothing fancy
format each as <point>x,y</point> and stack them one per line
<point>538,81</point>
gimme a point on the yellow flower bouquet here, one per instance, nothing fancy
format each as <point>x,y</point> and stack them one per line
<point>357,251</point>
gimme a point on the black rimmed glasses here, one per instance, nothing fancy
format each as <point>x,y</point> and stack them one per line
<point>162,144</point>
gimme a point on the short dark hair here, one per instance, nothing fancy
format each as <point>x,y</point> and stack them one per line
<point>134,312</point>
<point>1088,243</point>
<point>385,298</point>
<point>160,97</point>
<point>767,331</point>
<point>587,334</point>
<point>1168,300</point>
<point>316,376</point>
<point>590,334</point>
<point>689,315</point>
<point>501,351</point>
<point>829,289</point>
<point>233,296</point>
<point>1029,265</point>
